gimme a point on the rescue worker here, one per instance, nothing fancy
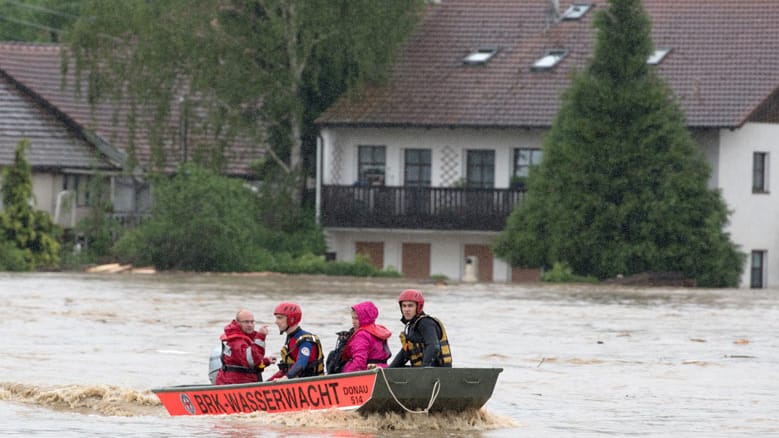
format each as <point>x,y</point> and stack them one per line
<point>302,354</point>
<point>367,347</point>
<point>243,351</point>
<point>424,342</point>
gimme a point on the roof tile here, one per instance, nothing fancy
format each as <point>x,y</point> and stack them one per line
<point>722,66</point>
<point>38,68</point>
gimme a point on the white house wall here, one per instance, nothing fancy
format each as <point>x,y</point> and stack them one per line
<point>446,248</point>
<point>753,223</point>
<point>341,146</point>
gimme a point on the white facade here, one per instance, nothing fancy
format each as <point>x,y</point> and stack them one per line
<point>754,224</point>
<point>448,147</point>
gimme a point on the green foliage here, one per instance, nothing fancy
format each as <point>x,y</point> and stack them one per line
<point>36,20</point>
<point>99,229</point>
<point>200,222</point>
<point>31,231</point>
<point>562,273</point>
<point>11,257</point>
<point>439,277</point>
<point>316,264</point>
<point>72,260</point>
<point>622,188</point>
<point>290,227</point>
<point>256,70</point>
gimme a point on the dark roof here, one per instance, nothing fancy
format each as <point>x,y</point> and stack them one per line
<point>723,65</point>
<point>37,68</point>
<point>55,143</point>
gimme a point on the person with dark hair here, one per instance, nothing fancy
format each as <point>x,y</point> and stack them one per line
<point>302,354</point>
<point>423,340</point>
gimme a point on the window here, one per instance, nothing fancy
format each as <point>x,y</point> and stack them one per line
<point>658,56</point>
<point>760,172</point>
<point>86,189</point>
<point>756,280</point>
<point>576,11</point>
<point>480,172</point>
<point>523,159</point>
<point>480,56</point>
<point>417,168</point>
<point>371,165</point>
<point>549,60</point>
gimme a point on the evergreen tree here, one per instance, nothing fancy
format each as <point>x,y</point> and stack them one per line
<point>622,188</point>
<point>31,230</point>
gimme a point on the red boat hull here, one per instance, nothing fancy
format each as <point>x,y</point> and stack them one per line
<point>345,391</point>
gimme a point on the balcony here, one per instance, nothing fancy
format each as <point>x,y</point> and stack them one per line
<point>433,208</point>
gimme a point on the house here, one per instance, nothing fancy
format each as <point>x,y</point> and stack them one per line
<point>62,155</point>
<point>417,173</point>
<point>99,142</point>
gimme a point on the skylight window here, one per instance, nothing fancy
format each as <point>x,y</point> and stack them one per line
<point>576,11</point>
<point>549,60</point>
<point>480,56</point>
<point>657,57</point>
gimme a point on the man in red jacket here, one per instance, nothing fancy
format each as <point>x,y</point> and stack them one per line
<point>243,351</point>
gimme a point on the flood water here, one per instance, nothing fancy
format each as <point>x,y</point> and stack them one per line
<point>80,353</point>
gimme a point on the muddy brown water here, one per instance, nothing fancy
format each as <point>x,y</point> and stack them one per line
<point>80,353</point>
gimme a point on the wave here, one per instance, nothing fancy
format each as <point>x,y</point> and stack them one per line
<point>92,399</point>
<point>111,400</point>
<point>468,421</point>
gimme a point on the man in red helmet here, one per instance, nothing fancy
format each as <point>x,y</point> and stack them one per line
<point>243,351</point>
<point>424,341</point>
<point>302,354</point>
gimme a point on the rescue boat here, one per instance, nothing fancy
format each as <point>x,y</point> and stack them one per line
<point>413,390</point>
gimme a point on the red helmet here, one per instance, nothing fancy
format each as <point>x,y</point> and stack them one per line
<point>291,311</point>
<point>413,295</point>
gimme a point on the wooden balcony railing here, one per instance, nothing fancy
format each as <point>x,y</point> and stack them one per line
<point>435,208</point>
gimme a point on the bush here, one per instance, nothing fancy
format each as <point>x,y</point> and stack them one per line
<point>316,264</point>
<point>200,222</point>
<point>562,273</point>
<point>99,228</point>
<point>11,257</point>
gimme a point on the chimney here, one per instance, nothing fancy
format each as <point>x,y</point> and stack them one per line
<point>553,13</point>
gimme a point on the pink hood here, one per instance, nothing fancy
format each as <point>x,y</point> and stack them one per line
<point>367,312</point>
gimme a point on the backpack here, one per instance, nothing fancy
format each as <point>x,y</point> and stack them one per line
<point>335,362</point>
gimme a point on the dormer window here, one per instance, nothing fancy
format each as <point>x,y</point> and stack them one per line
<point>576,11</point>
<point>480,56</point>
<point>657,57</point>
<point>549,60</point>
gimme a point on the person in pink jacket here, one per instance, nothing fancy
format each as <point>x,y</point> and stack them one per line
<point>367,348</point>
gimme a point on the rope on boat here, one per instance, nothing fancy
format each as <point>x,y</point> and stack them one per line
<point>433,395</point>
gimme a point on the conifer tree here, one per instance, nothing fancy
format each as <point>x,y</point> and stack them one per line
<point>622,188</point>
<point>31,230</point>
